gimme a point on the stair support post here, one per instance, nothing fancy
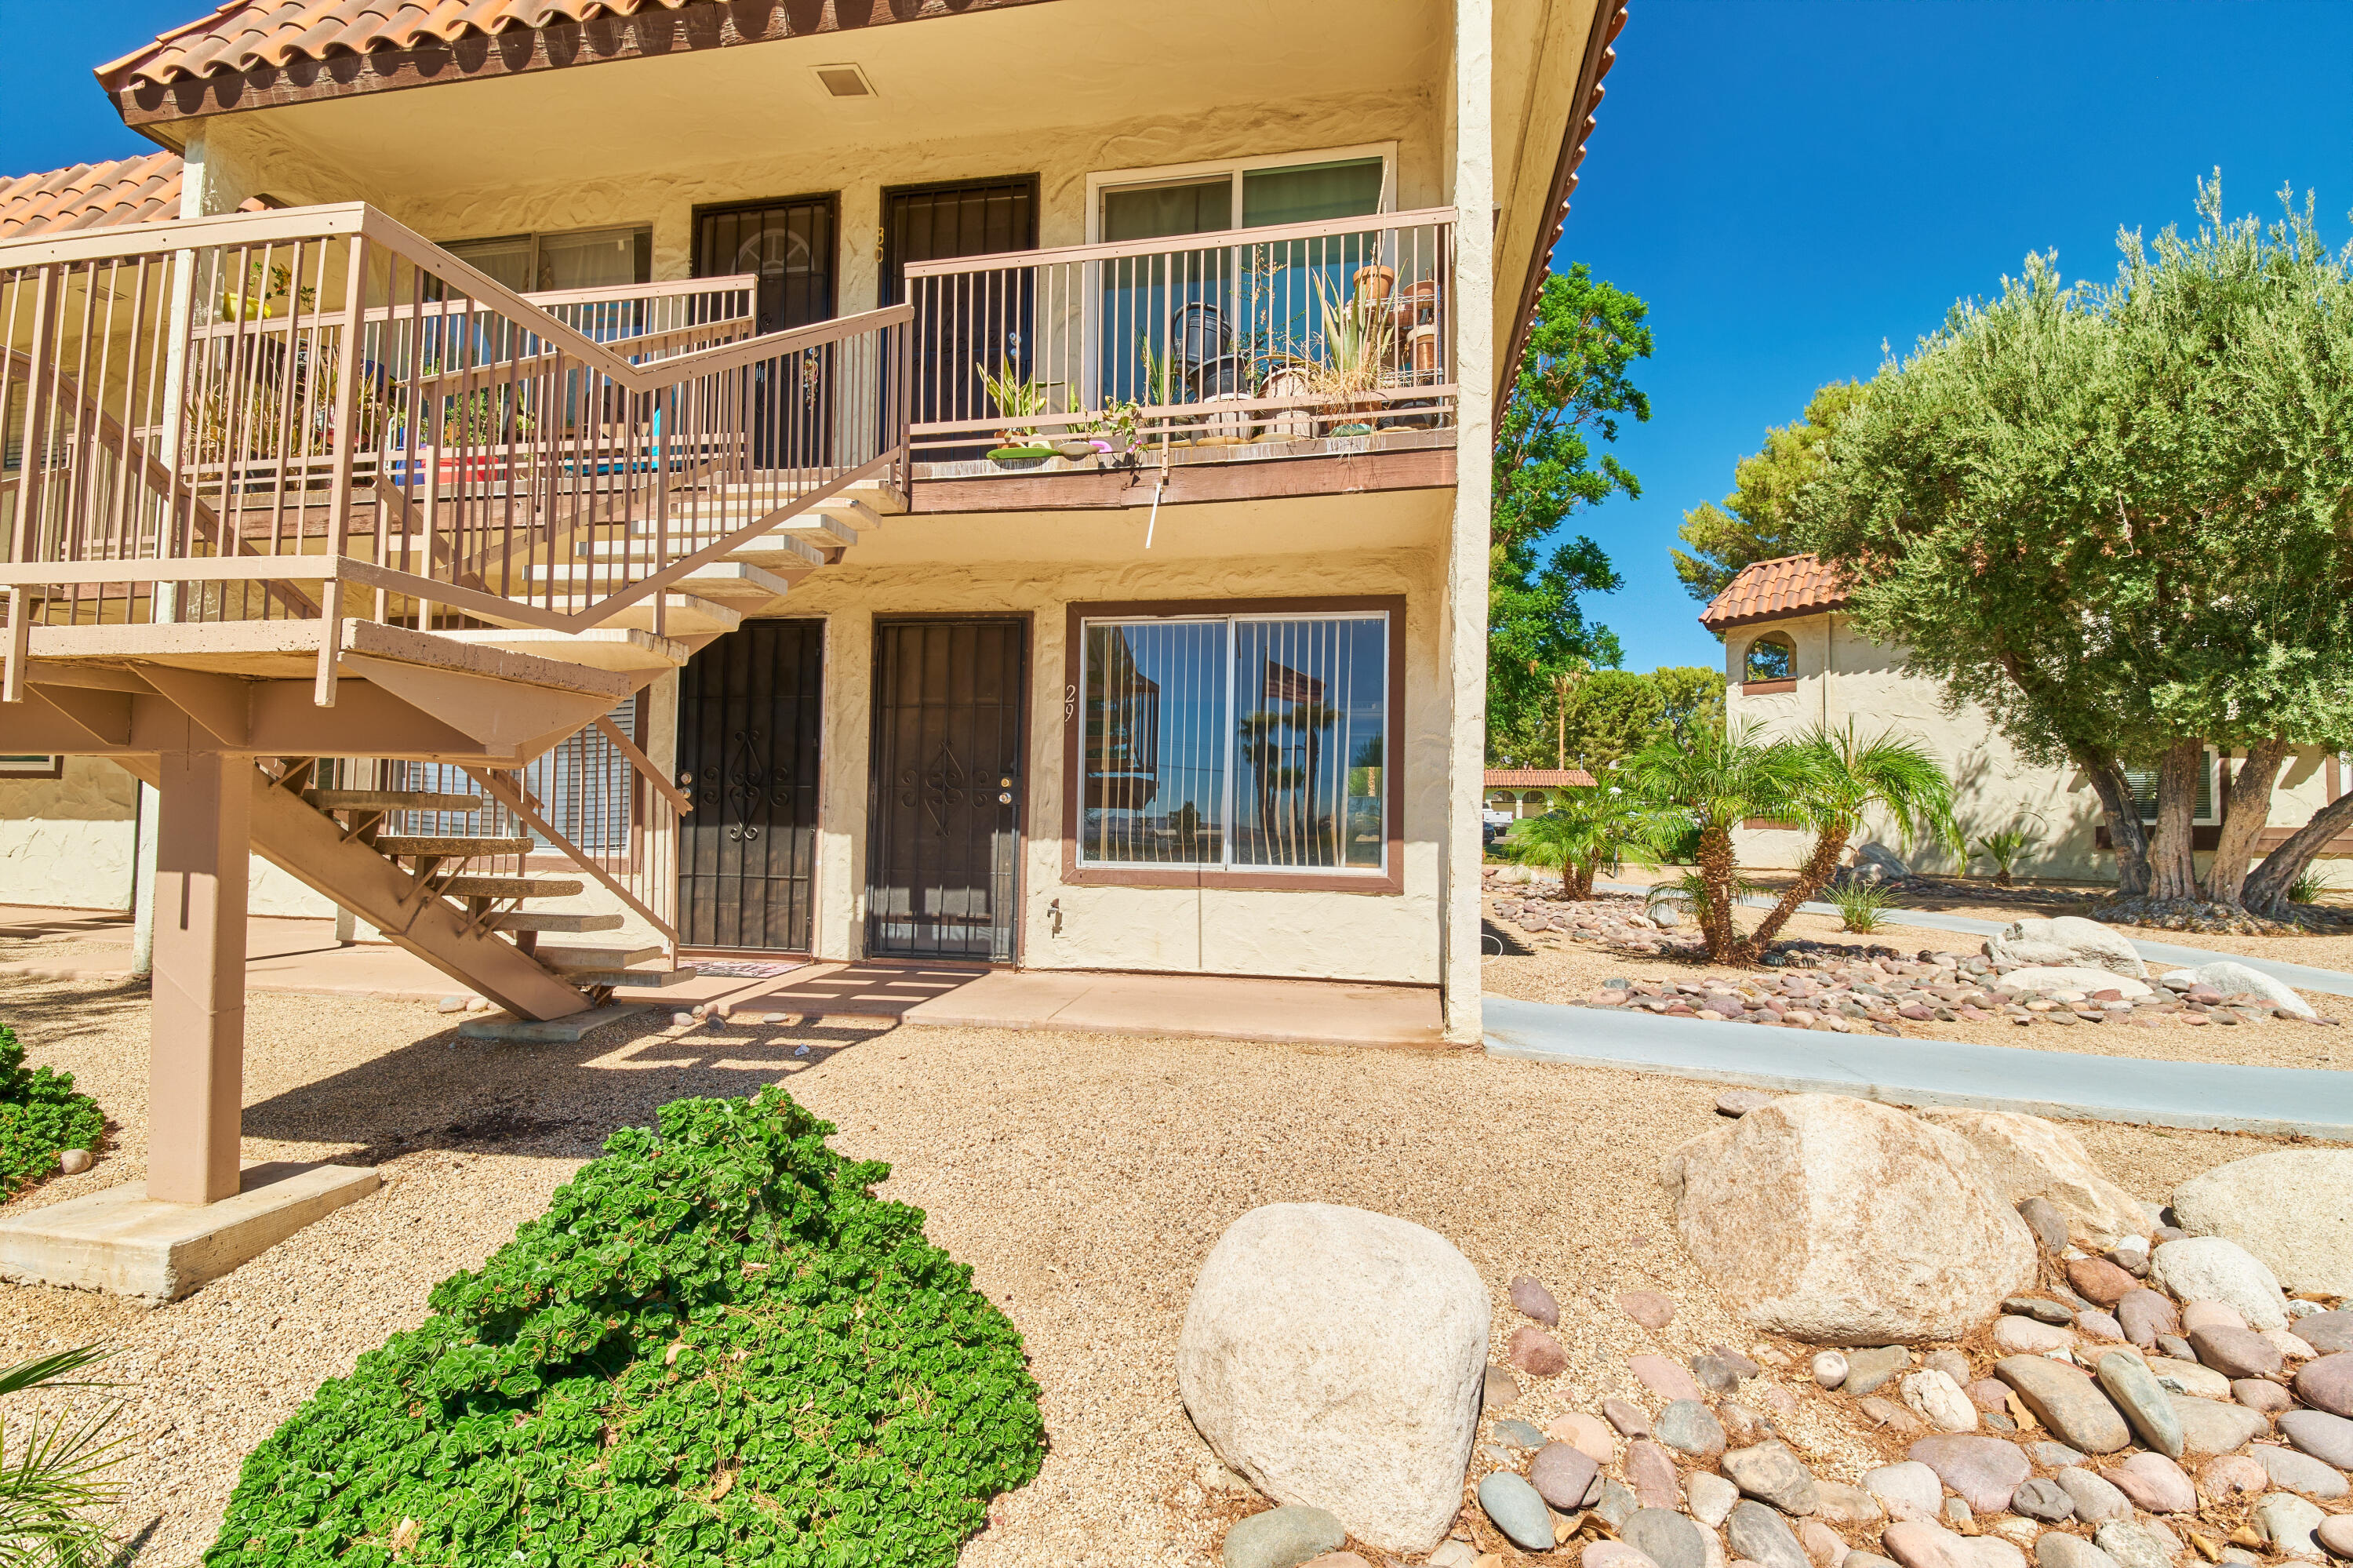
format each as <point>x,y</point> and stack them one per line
<point>195,1079</point>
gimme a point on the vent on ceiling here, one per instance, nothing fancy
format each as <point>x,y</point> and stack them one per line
<point>845,81</point>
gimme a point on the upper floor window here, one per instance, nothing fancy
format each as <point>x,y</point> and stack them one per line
<point>1242,193</point>
<point>576,259</point>
<point>1771,656</point>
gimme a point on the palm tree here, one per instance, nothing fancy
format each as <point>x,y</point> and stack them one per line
<point>1842,777</point>
<point>1589,829</point>
<point>1716,780</point>
<point>53,1478</point>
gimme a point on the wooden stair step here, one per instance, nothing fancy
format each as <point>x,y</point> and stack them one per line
<point>548,920</point>
<point>467,846</point>
<point>390,801</point>
<point>726,579</point>
<point>689,615</point>
<point>568,959</point>
<point>472,886</point>
<point>630,977</point>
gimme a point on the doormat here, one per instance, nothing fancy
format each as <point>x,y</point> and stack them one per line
<point>741,968</point>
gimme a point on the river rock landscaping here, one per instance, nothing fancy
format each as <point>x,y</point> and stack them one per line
<point>2034,1385</point>
<point>2031,980</point>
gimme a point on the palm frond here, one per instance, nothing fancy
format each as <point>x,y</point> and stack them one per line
<point>53,1478</point>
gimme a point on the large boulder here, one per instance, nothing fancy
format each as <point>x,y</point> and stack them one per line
<point>2068,941</point>
<point>1843,1222</point>
<point>2239,979</point>
<point>2293,1209</point>
<point>1333,1358</point>
<point>2051,979</point>
<point>2026,1157</point>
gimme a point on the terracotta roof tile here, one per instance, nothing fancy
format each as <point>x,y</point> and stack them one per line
<point>1768,590</point>
<point>91,196</point>
<point>244,34</point>
<point>1537,777</point>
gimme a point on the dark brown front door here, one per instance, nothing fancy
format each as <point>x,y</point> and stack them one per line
<point>944,849</point>
<point>989,326</point>
<point>749,707</point>
<point>787,245</point>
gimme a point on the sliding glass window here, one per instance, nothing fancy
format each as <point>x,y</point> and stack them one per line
<point>1248,742</point>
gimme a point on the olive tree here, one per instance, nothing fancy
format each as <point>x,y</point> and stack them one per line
<point>2117,517</point>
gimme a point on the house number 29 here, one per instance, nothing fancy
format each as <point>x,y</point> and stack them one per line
<point>1070,703</point>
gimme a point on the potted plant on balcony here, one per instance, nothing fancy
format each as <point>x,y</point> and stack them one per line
<point>1017,398</point>
<point>1358,356</point>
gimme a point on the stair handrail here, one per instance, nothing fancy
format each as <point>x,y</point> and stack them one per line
<point>510,795</point>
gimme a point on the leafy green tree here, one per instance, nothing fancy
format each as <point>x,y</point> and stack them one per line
<point>1575,388</point>
<point>1607,715</point>
<point>2116,518</point>
<point>1759,521</point>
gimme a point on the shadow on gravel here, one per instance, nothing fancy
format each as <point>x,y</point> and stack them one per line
<point>446,1092</point>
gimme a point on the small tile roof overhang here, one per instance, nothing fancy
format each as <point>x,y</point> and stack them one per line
<point>1537,778</point>
<point>90,196</point>
<point>251,54</point>
<point>1775,591</point>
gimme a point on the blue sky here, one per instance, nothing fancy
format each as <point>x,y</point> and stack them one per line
<point>1789,183</point>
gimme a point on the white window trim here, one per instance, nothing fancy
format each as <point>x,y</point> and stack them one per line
<point>2212,815</point>
<point>27,767</point>
<point>1188,173</point>
<point>1231,772</point>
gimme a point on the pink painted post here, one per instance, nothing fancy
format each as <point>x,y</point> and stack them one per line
<point>195,1078</point>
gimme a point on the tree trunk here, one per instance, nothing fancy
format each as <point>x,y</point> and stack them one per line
<point>2125,834</point>
<point>1577,880</point>
<point>1812,877</point>
<point>2245,814</point>
<point>2173,869</point>
<point>1716,869</point>
<point>2265,892</point>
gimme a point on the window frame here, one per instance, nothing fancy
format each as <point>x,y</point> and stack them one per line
<point>1105,180</point>
<point>23,767</point>
<point>1388,881</point>
<point>641,235</point>
<point>1765,685</point>
<point>2211,781</point>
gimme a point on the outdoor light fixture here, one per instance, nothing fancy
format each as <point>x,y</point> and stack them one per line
<point>844,80</point>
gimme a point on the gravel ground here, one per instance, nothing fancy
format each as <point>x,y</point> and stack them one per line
<point>1559,970</point>
<point>1083,1178</point>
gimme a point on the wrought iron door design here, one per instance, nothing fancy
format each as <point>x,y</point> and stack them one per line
<point>934,223</point>
<point>944,850</point>
<point>748,728</point>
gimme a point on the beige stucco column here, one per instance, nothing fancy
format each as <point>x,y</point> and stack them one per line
<point>195,1075</point>
<point>1465,627</point>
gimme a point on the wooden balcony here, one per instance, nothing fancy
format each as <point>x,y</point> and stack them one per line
<point>1305,359</point>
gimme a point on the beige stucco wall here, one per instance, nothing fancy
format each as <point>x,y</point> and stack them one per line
<point>1844,675</point>
<point>1007,564</point>
<point>68,841</point>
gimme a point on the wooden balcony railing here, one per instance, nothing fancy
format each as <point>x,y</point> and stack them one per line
<point>316,413</point>
<point>1285,339</point>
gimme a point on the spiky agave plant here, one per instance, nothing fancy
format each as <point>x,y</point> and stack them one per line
<point>53,1476</point>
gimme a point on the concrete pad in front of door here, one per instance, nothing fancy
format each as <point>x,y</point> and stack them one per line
<point>950,997</point>
<point>126,1244</point>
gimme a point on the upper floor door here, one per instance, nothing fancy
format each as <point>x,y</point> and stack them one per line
<point>788,245</point>
<point>991,327</point>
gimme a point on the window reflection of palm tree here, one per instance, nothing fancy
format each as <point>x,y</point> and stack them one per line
<point>1284,745</point>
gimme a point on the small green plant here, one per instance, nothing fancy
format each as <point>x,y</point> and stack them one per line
<point>2004,850</point>
<point>716,1347</point>
<point>41,1117</point>
<point>2307,887</point>
<point>1017,398</point>
<point>53,1478</point>
<point>1860,905</point>
<point>1590,830</point>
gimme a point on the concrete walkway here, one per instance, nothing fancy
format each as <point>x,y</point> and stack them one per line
<point>1929,1072</point>
<point>2303,976</point>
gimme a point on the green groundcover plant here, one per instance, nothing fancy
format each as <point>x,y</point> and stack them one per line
<point>41,1117</point>
<point>717,1346</point>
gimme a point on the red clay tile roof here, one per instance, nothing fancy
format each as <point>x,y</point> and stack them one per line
<point>90,196</point>
<point>245,34</point>
<point>1537,778</point>
<point>1769,591</point>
